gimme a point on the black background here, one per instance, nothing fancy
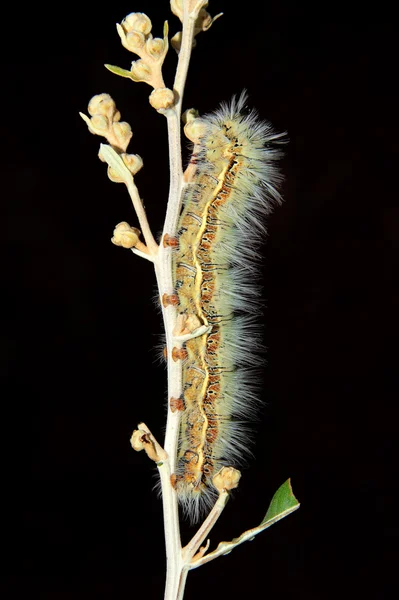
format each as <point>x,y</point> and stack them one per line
<point>79,326</point>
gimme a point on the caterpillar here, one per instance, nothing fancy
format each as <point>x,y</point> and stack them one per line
<point>232,183</point>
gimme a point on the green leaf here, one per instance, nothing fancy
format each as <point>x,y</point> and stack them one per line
<point>165,30</point>
<point>119,71</point>
<point>282,502</point>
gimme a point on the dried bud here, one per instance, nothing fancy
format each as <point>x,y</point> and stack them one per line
<point>140,70</point>
<point>125,236</point>
<point>155,48</point>
<point>162,98</point>
<point>137,441</point>
<point>142,439</point>
<point>102,104</point>
<point>226,479</point>
<point>135,40</point>
<point>134,162</point>
<point>137,22</point>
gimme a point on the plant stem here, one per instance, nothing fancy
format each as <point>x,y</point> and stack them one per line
<point>176,573</point>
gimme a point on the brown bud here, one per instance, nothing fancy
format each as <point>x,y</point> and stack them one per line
<point>179,354</point>
<point>170,300</point>
<point>169,241</point>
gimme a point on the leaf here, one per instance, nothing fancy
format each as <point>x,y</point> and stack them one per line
<point>119,71</point>
<point>116,163</point>
<point>283,503</point>
<point>165,30</point>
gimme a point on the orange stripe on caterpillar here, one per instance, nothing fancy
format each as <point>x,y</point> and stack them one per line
<point>231,184</point>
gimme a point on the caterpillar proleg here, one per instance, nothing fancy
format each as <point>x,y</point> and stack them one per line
<point>231,185</point>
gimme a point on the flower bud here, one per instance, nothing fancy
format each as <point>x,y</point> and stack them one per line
<point>125,236</point>
<point>177,39</point>
<point>189,115</point>
<point>141,70</point>
<point>176,7</point>
<point>135,40</point>
<point>226,479</point>
<point>99,122</point>
<point>155,48</point>
<point>102,104</point>
<point>134,162</point>
<point>195,129</point>
<point>137,22</point>
<point>113,175</point>
<point>162,98</point>
<point>122,130</point>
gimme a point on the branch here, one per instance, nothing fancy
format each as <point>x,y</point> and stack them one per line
<point>283,503</point>
<point>117,165</point>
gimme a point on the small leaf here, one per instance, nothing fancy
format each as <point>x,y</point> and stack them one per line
<point>116,163</point>
<point>283,501</point>
<point>119,71</point>
<point>165,29</point>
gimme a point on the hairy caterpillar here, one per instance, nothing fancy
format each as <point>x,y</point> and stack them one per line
<point>232,182</point>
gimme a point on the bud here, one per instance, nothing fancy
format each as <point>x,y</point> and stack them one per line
<point>125,236</point>
<point>99,122</point>
<point>123,132</point>
<point>135,40</point>
<point>162,98</point>
<point>137,22</point>
<point>177,39</point>
<point>226,479</point>
<point>137,441</point>
<point>134,162</point>
<point>102,104</point>
<point>176,6</point>
<point>189,115</point>
<point>155,48</point>
<point>140,70</point>
<point>142,439</point>
<point>195,129</point>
